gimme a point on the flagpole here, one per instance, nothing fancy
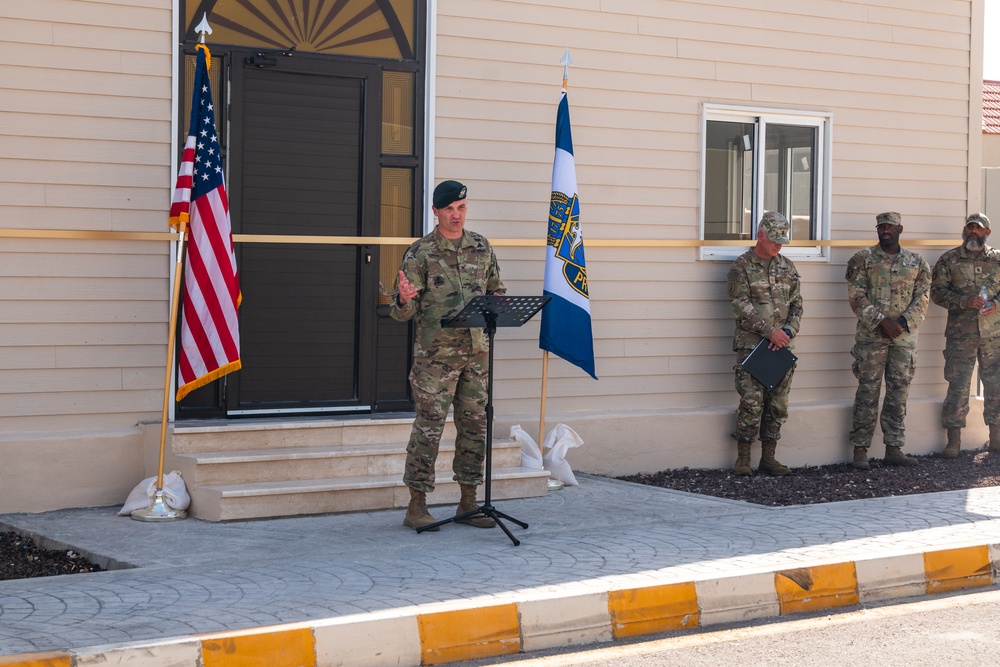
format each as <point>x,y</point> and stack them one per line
<point>541,415</point>
<point>159,510</point>
<point>554,484</point>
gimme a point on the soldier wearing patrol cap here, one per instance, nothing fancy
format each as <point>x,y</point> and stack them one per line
<point>972,334</point>
<point>767,304</point>
<point>440,274</point>
<point>888,289</point>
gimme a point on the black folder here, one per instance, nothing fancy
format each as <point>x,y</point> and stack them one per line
<point>767,366</point>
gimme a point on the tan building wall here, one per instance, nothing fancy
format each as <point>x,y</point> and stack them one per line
<point>895,76</point>
<point>86,103</point>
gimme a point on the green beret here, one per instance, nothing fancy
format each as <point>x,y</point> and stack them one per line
<point>447,192</point>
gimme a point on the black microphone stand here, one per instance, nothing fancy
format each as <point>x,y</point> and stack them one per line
<point>488,312</point>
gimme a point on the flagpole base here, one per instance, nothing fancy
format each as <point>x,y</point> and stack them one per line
<point>159,511</point>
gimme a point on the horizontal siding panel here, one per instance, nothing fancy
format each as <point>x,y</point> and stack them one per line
<point>82,265</point>
<point>61,58</point>
<point>14,358</point>
<point>822,64</point>
<point>93,152</point>
<point>85,127</point>
<point>113,14</point>
<point>125,356</point>
<point>522,15</point>
<point>888,86</point>
<point>820,16</point>
<point>45,380</point>
<point>131,41</point>
<point>104,83</point>
<point>68,312</point>
<point>50,423</point>
<point>116,198</point>
<point>90,289</point>
<point>71,173</point>
<point>883,138</point>
<point>850,155</point>
<point>96,106</point>
<point>137,406</point>
<point>26,31</point>
<point>30,335</point>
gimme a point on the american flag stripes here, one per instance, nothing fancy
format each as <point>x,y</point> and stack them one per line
<point>210,336</point>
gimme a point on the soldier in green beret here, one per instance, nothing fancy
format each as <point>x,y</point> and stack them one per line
<point>767,304</point>
<point>966,281</point>
<point>888,287</point>
<point>440,274</point>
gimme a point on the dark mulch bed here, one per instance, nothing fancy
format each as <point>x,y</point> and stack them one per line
<point>21,558</point>
<point>830,483</point>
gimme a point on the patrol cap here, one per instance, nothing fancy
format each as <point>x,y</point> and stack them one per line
<point>447,192</point>
<point>888,218</point>
<point>775,226</point>
<point>978,219</point>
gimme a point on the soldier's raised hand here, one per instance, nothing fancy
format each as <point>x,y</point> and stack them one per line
<point>406,289</point>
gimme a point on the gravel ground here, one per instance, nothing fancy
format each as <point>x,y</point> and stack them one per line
<point>839,481</point>
<point>20,558</point>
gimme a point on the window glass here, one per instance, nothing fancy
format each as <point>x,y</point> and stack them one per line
<point>729,162</point>
<point>789,187</point>
<point>757,161</point>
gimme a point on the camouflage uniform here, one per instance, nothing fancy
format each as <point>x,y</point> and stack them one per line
<point>883,286</point>
<point>450,365</point>
<point>958,276</point>
<point>765,297</point>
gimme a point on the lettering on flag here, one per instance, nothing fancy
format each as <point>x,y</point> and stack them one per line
<point>210,336</point>
<point>567,239</point>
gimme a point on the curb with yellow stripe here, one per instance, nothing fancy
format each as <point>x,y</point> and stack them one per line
<point>575,614</point>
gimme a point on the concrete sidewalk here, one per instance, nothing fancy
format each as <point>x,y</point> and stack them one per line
<point>604,560</point>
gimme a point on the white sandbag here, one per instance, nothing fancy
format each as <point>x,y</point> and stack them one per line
<point>559,440</point>
<point>530,456</point>
<point>175,494</point>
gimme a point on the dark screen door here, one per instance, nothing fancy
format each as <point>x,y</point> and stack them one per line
<point>299,133</point>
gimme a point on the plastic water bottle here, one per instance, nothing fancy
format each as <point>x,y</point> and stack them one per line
<point>985,296</point>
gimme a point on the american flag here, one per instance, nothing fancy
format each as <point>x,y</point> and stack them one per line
<point>210,335</point>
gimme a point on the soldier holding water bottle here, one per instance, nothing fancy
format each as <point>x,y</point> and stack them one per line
<point>966,281</point>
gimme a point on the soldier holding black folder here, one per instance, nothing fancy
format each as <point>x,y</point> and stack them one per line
<point>767,304</point>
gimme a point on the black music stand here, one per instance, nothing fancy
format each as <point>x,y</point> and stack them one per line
<point>490,312</point>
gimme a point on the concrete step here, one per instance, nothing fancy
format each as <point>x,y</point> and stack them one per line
<point>298,463</point>
<point>265,468</point>
<point>216,436</point>
<point>232,502</point>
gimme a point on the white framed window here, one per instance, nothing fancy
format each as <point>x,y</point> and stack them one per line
<point>756,160</point>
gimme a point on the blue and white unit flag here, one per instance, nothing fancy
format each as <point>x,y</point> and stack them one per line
<point>566,329</point>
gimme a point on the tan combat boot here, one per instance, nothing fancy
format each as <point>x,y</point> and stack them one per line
<point>768,463</point>
<point>417,515</point>
<point>468,504</point>
<point>994,439</point>
<point>894,456</point>
<point>954,445</point>
<point>860,459</point>
<point>742,465</point>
